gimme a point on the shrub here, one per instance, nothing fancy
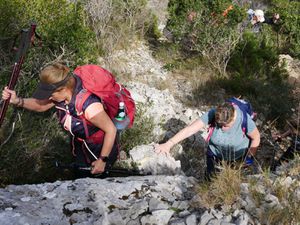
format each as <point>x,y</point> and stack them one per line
<point>59,23</point>
<point>287,31</point>
<point>202,28</point>
<point>255,73</point>
<point>34,148</point>
<point>141,132</point>
<point>117,22</point>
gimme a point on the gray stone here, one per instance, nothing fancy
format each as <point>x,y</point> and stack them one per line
<point>214,222</point>
<point>226,223</point>
<point>227,218</point>
<point>149,161</point>
<point>138,208</point>
<point>205,218</point>
<point>115,218</point>
<point>297,194</point>
<point>243,219</point>
<point>181,204</point>
<point>161,217</point>
<point>250,205</point>
<point>25,199</point>
<point>236,213</point>
<point>292,66</point>
<point>157,204</point>
<point>271,201</point>
<point>244,188</point>
<point>191,220</point>
<point>218,215</point>
<point>178,223</point>
<point>184,213</point>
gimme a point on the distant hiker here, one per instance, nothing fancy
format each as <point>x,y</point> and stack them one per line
<point>80,111</point>
<point>227,141</point>
<point>292,133</point>
<point>257,17</point>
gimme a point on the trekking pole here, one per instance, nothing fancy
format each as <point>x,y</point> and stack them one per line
<point>27,37</point>
<point>116,171</point>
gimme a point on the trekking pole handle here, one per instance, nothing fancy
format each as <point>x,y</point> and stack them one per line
<point>27,36</point>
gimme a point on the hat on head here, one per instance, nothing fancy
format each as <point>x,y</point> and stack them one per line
<point>260,15</point>
<point>45,90</point>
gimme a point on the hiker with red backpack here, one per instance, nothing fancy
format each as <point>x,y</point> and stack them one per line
<point>86,101</point>
<point>232,134</point>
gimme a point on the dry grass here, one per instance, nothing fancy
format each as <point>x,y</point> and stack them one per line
<point>295,170</point>
<point>224,189</point>
<point>287,211</point>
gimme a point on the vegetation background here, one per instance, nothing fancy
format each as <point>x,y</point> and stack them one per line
<point>240,61</point>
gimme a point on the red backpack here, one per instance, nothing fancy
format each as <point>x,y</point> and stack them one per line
<point>98,81</point>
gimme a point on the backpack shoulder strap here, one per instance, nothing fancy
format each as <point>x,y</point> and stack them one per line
<point>80,99</point>
<point>245,122</point>
<point>211,127</point>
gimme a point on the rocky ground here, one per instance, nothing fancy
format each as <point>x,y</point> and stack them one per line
<point>148,200</point>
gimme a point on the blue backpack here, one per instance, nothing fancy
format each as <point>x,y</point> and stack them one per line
<point>245,107</point>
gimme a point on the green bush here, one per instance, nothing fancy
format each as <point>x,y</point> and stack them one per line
<point>255,73</point>
<point>178,13</point>
<point>189,16</point>
<point>59,23</point>
<point>29,151</point>
<point>287,31</point>
<point>201,28</point>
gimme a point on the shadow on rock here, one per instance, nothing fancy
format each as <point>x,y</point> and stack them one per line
<point>191,153</point>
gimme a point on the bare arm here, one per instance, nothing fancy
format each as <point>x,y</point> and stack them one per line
<point>37,105</point>
<point>101,120</point>
<point>255,141</point>
<point>27,103</point>
<point>186,132</point>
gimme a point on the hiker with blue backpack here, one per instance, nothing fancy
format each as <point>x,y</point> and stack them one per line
<point>233,135</point>
<point>85,100</point>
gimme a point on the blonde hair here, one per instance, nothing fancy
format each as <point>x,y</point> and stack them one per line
<point>224,113</point>
<point>55,73</point>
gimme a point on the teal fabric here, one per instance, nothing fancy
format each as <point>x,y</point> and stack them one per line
<point>231,144</point>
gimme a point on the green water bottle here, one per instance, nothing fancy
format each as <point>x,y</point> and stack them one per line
<point>121,120</point>
<point>121,112</point>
